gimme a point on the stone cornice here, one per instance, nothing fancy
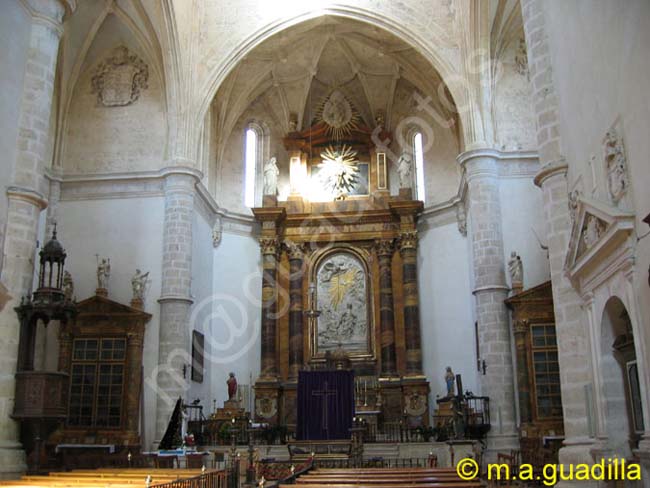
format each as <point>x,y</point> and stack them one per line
<point>27,195</point>
<point>147,184</point>
<point>548,170</point>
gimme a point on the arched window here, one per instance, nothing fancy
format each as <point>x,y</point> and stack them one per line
<point>250,166</point>
<point>418,151</point>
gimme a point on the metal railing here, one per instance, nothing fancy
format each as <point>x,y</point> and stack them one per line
<point>209,479</point>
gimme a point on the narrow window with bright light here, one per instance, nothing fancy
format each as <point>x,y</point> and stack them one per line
<point>419,166</point>
<point>250,167</point>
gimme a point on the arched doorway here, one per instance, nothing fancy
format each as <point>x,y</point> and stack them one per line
<point>621,395</point>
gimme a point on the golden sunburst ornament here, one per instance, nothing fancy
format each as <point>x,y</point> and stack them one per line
<point>339,115</point>
<point>339,172</point>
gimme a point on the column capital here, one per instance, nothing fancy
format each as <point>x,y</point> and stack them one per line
<point>385,247</point>
<point>551,169</point>
<point>407,240</point>
<point>521,327</point>
<point>269,245</point>
<point>295,250</point>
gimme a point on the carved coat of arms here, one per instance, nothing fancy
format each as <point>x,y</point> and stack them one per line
<point>120,78</point>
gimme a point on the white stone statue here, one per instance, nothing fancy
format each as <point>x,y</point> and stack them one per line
<point>617,181</point>
<point>404,166</point>
<point>103,273</point>
<point>139,284</point>
<point>271,173</point>
<point>68,285</point>
<point>516,269</point>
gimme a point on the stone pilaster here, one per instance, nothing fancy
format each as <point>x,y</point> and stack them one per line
<point>175,301</point>
<point>385,249</point>
<point>296,274</point>
<point>135,343</point>
<point>481,167</point>
<point>521,331</point>
<point>269,247</point>
<point>25,202</point>
<point>572,338</point>
<point>408,248</point>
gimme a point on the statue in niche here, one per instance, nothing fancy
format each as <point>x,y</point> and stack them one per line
<point>271,173</point>
<point>404,167</point>
<point>103,273</point>
<point>68,286</point>
<point>139,284</point>
<point>450,379</point>
<point>616,165</point>
<point>516,269</point>
<point>232,386</point>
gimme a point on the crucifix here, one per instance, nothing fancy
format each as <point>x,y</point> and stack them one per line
<point>325,393</point>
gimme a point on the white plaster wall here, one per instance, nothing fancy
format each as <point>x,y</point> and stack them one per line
<point>129,231</point>
<point>231,168</point>
<point>114,139</point>
<point>202,283</point>
<point>522,218</point>
<point>15,28</point>
<point>439,140</point>
<point>601,68</point>
<point>514,120</point>
<point>233,340</point>
<point>446,305</point>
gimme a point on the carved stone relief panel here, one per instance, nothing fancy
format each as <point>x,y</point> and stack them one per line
<point>592,230</point>
<point>119,80</point>
<point>342,297</point>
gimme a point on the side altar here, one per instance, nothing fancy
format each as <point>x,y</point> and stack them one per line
<point>339,286</point>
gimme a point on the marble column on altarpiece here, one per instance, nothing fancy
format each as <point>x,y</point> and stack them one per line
<point>385,249</point>
<point>296,255</point>
<point>407,244</point>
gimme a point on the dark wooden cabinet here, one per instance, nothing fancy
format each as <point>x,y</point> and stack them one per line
<point>538,372</point>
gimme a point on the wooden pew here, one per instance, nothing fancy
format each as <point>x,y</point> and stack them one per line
<point>104,478</point>
<point>384,478</point>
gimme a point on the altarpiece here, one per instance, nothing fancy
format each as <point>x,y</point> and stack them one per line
<point>339,285</point>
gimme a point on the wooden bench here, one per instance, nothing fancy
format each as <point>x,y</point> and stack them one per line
<point>107,478</point>
<point>383,478</point>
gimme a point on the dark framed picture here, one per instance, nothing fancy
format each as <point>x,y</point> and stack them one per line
<point>198,344</point>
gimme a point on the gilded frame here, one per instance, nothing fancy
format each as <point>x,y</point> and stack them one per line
<point>363,256</point>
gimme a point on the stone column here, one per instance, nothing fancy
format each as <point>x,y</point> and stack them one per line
<point>408,248</point>
<point>175,301</point>
<point>481,168</point>
<point>296,274</point>
<point>25,202</point>
<point>572,337</point>
<point>269,247</point>
<point>385,249</point>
